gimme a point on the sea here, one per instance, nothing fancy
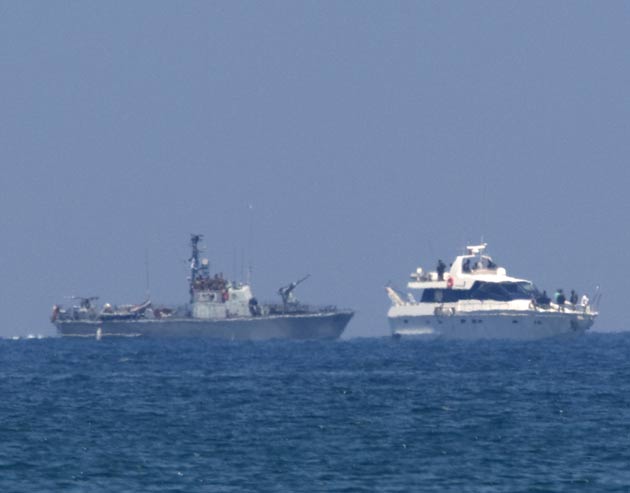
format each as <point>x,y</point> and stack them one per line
<point>357,415</point>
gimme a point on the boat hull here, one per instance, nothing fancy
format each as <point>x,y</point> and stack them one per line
<point>526,325</point>
<point>293,326</point>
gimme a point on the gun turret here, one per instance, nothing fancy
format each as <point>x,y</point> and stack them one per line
<point>286,292</point>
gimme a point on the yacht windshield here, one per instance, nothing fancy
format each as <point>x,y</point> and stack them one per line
<point>521,290</point>
<point>496,291</point>
<point>503,291</point>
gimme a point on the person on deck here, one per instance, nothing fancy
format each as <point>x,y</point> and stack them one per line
<point>560,299</point>
<point>544,299</point>
<point>441,267</point>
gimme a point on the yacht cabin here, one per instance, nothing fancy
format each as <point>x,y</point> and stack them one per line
<point>472,276</point>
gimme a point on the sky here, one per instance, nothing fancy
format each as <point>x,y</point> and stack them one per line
<point>353,141</point>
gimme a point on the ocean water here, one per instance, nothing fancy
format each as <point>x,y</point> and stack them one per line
<point>358,415</point>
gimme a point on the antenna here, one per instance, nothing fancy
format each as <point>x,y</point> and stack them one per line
<point>242,265</point>
<point>146,271</point>
<point>484,211</point>
<point>430,247</point>
<point>250,241</point>
<point>234,275</point>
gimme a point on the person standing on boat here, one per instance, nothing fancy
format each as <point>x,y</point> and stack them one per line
<point>560,299</point>
<point>544,299</point>
<point>441,267</point>
<point>574,298</point>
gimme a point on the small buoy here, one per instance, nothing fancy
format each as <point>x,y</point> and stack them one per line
<point>99,334</point>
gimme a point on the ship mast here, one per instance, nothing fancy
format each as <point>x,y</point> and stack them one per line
<point>194,261</point>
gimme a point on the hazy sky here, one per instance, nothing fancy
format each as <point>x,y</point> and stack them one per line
<point>368,137</point>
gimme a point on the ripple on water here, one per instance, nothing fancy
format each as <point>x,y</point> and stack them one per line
<point>360,415</point>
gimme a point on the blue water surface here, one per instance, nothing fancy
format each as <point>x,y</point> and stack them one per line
<point>359,415</point>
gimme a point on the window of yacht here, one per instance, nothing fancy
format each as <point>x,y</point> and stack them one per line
<point>495,291</point>
<point>503,291</point>
<point>521,290</point>
<point>489,291</point>
<point>431,295</point>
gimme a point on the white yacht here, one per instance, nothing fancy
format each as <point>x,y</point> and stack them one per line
<point>475,298</point>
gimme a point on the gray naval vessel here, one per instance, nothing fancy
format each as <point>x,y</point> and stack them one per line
<point>217,308</point>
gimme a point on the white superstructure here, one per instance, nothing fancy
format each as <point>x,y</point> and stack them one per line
<point>475,298</point>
